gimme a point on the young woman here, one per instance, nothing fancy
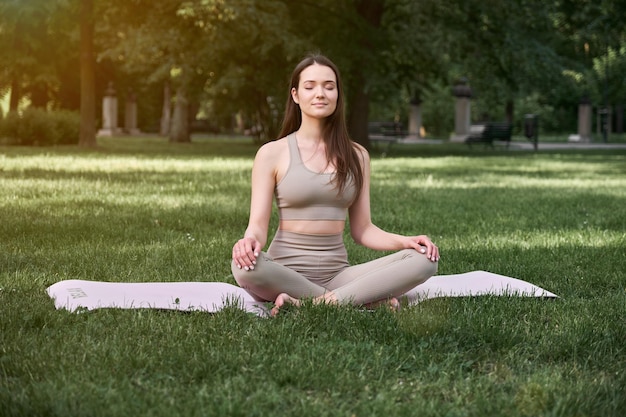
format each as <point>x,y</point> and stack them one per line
<point>318,175</point>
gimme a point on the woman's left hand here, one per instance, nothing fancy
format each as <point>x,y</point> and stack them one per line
<point>423,244</point>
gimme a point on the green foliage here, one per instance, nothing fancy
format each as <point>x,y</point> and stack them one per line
<point>39,40</point>
<point>40,127</point>
<point>140,210</point>
<point>438,111</point>
<point>66,127</point>
<point>9,126</point>
<point>233,57</point>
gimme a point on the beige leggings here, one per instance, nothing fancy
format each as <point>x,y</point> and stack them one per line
<point>311,265</point>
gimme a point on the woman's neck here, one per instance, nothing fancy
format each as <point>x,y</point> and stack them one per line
<point>311,131</point>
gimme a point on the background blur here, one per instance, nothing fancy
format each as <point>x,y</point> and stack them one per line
<point>223,65</point>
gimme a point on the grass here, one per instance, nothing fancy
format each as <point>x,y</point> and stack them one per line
<point>140,209</point>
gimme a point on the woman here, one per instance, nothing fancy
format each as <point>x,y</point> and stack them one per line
<point>318,175</point>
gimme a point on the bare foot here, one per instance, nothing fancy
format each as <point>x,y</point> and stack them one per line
<point>281,300</point>
<point>392,303</point>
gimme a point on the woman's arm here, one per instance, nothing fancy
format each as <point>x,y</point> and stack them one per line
<point>247,249</point>
<point>365,233</point>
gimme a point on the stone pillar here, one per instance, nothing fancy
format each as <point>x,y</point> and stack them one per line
<point>109,113</point>
<point>415,118</point>
<point>584,122</point>
<point>130,109</point>
<point>166,112</point>
<point>462,111</point>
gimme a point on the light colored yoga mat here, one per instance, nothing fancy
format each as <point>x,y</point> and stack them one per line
<point>185,296</point>
<point>75,295</point>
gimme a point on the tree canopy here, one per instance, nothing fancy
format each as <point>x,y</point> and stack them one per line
<point>228,61</point>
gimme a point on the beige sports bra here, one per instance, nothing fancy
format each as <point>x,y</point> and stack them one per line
<point>306,195</point>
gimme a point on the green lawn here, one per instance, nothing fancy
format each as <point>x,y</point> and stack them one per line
<point>140,210</point>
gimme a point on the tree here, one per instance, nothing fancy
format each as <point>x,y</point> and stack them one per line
<point>23,28</point>
<point>244,50</point>
<point>233,57</point>
<point>250,62</point>
<point>504,48</point>
<point>167,44</point>
<point>87,76</point>
<point>38,39</point>
<point>593,34</point>
<point>380,47</point>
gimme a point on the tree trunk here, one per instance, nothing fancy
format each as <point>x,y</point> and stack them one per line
<point>358,102</point>
<point>87,77</point>
<point>180,121</point>
<point>39,95</point>
<point>16,72</point>
<point>358,115</point>
<point>509,111</point>
<point>166,113</point>
<point>14,100</point>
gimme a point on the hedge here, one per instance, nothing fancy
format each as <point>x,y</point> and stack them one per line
<point>38,127</point>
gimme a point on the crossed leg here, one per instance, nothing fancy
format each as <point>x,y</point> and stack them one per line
<point>371,283</point>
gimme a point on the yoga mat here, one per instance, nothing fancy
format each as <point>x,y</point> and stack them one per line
<point>184,296</point>
<point>75,295</point>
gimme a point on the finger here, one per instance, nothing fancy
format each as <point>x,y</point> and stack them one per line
<point>430,248</point>
<point>418,247</point>
<point>434,252</point>
<point>239,255</point>
<point>250,253</point>
<point>256,247</point>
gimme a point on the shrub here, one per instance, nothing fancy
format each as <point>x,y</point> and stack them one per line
<point>9,127</point>
<point>40,127</point>
<point>67,127</point>
<point>35,128</point>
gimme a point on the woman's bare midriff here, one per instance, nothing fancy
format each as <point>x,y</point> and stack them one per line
<point>313,227</point>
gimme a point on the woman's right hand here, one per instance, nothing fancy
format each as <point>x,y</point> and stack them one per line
<point>245,252</point>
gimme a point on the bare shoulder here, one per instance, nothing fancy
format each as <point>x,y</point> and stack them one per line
<point>272,149</point>
<point>272,157</point>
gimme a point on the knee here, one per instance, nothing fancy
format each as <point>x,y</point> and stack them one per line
<point>260,281</point>
<point>243,277</point>
<point>423,266</point>
<point>247,278</point>
<point>434,266</point>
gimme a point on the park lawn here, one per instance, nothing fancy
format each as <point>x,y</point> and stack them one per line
<point>140,209</point>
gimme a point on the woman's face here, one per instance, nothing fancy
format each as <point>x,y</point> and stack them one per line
<point>317,91</point>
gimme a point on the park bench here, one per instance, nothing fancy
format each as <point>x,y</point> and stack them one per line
<point>489,132</point>
<point>386,133</point>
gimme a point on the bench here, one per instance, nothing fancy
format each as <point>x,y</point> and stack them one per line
<point>386,132</point>
<point>489,132</point>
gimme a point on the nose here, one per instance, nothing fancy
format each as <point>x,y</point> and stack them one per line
<point>319,91</point>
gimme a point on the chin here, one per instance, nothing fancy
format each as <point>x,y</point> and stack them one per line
<point>322,114</point>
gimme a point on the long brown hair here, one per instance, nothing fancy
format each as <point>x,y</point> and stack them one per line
<point>339,146</point>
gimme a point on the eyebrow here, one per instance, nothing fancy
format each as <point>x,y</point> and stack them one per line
<point>324,82</point>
